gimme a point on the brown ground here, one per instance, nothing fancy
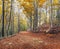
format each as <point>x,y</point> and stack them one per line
<point>28,40</point>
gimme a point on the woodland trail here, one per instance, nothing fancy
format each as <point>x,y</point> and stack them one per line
<point>29,40</point>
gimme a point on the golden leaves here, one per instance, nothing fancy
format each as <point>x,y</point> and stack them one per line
<point>0,9</point>
<point>41,2</point>
<point>0,6</point>
<point>55,2</point>
<point>0,2</point>
<point>28,0</point>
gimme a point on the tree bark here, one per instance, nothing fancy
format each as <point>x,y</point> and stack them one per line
<point>51,20</point>
<point>35,21</point>
<point>2,18</point>
<point>9,20</point>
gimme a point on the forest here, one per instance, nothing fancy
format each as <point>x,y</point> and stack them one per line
<point>29,24</point>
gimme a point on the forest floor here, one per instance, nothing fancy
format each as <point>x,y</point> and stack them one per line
<point>29,40</point>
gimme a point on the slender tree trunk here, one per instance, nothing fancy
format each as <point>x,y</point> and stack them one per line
<point>46,13</point>
<point>12,18</point>
<point>12,25</point>
<point>51,20</point>
<point>2,18</point>
<point>6,17</point>
<point>30,21</point>
<point>35,21</point>
<point>9,20</point>
<point>40,17</point>
<point>18,21</point>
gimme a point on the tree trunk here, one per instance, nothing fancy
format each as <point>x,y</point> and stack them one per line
<point>12,18</point>
<point>9,20</point>
<point>2,18</point>
<point>35,21</point>
<point>30,21</point>
<point>51,20</point>
<point>18,21</point>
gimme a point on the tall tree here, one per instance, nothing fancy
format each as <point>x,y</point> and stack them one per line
<point>6,17</point>
<point>51,20</point>
<point>2,18</point>
<point>9,20</point>
<point>12,18</point>
<point>35,21</point>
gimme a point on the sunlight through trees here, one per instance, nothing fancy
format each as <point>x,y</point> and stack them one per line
<point>29,15</point>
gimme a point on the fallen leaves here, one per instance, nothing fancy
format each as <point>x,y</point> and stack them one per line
<point>28,40</point>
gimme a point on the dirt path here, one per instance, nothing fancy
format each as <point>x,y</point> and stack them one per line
<point>28,40</point>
